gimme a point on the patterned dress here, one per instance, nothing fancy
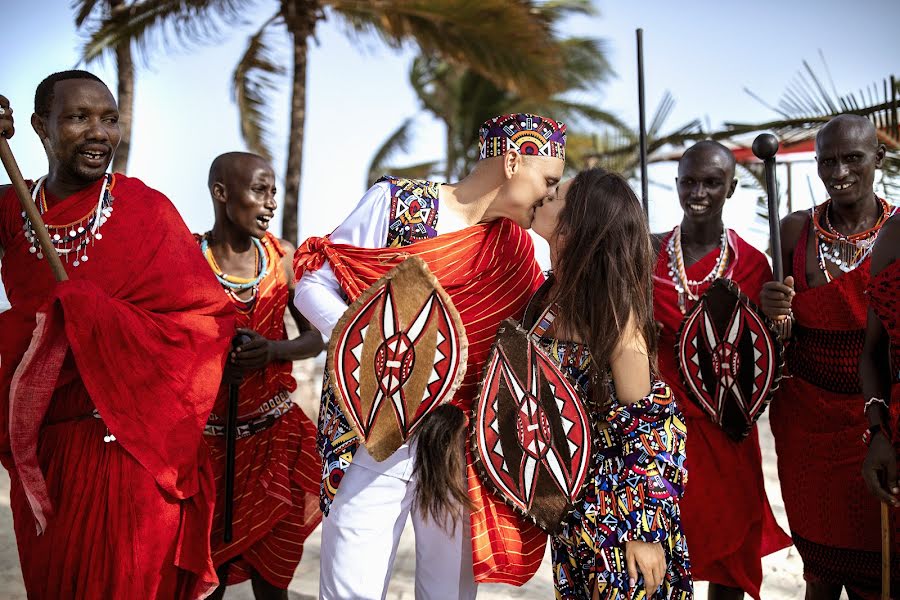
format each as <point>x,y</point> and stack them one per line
<point>639,474</point>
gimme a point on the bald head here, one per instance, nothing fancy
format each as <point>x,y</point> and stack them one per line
<point>242,187</point>
<point>705,181</point>
<point>230,164</point>
<point>710,151</point>
<point>851,127</point>
<point>847,155</point>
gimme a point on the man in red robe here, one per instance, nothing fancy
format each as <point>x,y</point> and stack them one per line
<point>817,415</point>
<point>276,499</point>
<point>106,380</point>
<point>727,519</point>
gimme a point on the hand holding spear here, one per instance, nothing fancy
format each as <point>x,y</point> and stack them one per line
<point>7,129</point>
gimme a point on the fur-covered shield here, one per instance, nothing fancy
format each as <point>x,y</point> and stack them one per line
<point>398,352</point>
<point>729,357</point>
<point>531,434</point>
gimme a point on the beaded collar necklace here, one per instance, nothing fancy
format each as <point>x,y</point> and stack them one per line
<point>845,251</point>
<point>233,284</point>
<point>688,287</point>
<point>75,237</point>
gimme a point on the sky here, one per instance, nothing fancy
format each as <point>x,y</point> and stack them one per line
<point>705,53</point>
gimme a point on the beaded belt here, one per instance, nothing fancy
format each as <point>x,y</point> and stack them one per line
<point>260,420</point>
<point>828,359</point>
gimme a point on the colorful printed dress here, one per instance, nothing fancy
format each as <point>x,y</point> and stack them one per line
<point>276,466</point>
<point>639,475</point>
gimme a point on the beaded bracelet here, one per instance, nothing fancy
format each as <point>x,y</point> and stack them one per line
<point>874,400</point>
<point>871,431</point>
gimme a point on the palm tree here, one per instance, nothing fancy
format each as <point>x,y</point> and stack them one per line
<point>110,13</point>
<point>462,98</point>
<point>502,40</point>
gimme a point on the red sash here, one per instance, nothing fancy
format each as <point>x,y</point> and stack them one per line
<point>489,272</point>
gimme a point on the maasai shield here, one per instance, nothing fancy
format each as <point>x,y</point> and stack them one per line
<point>531,436</point>
<point>398,352</point>
<point>729,357</point>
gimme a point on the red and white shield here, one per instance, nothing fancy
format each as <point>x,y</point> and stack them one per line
<point>532,439</point>
<point>398,352</point>
<point>729,357</point>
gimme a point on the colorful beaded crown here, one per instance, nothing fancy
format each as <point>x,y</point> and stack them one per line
<point>528,134</point>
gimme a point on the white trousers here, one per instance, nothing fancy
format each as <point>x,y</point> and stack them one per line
<point>361,533</point>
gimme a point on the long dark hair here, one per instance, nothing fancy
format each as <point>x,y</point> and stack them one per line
<point>604,271</point>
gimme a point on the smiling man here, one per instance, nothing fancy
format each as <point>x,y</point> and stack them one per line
<point>106,380</point>
<point>276,465</point>
<point>727,519</point>
<point>817,415</point>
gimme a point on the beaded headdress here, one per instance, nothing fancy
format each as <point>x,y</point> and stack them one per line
<point>528,134</point>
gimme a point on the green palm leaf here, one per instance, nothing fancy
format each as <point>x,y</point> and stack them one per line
<point>255,77</point>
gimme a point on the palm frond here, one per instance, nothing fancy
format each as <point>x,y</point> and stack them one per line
<point>168,22</point>
<point>84,9</point>
<point>586,63</point>
<point>398,142</point>
<point>253,80</point>
<point>556,10</point>
<point>506,41</point>
<point>570,112</point>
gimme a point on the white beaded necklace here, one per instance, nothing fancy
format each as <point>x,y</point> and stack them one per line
<point>678,273</point>
<point>72,238</point>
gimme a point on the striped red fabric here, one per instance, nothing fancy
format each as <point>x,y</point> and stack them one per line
<point>490,274</point>
<point>276,503</point>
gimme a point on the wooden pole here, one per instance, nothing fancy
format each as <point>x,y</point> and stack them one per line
<point>642,117</point>
<point>230,450</point>
<point>765,146</point>
<point>31,211</point>
<point>885,552</point>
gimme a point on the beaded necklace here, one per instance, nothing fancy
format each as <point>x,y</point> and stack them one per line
<point>845,251</point>
<point>75,237</point>
<point>233,284</point>
<point>688,287</point>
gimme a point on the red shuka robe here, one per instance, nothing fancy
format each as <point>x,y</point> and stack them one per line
<point>277,470</point>
<point>725,512</point>
<point>139,333</point>
<point>490,274</point>
<point>818,421</point>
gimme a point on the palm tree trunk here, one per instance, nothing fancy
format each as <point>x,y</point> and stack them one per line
<point>300,17</point>
<point>290,214</point>
<point>125,76</point>
<point>449,170</point>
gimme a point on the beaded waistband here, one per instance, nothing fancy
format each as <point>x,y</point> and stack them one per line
<point>260,420</point>
<point>828,359</point>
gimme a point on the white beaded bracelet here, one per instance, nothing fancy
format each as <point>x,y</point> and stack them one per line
<point>874,400</point>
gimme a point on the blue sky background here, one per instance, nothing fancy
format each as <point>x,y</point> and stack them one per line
<point>704,52</point>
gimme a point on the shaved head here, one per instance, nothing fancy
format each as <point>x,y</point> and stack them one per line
<point>856,127</point>
<point>705,181</point>
<point>232,163</point>
<point>705,150</point>
<point>847,155</point>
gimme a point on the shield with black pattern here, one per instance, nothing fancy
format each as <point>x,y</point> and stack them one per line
<point>532,437</point>
<point>397,353</point>
<point>730,358</point>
